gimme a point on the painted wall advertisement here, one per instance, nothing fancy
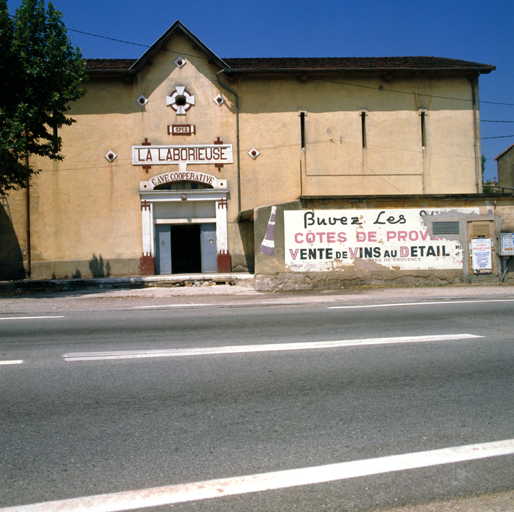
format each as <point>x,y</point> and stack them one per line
<point>324,240</point>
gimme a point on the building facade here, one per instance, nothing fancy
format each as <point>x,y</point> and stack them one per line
<point>302,171</point>
<point>505,163</point>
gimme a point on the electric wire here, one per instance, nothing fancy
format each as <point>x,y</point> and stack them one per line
<point>318,79</point>
<point>424,95</point>
<point>106,37</point>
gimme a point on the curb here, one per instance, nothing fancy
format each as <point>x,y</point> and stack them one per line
<point>65,285</point>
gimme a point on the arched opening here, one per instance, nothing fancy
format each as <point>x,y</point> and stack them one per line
<point>183,185</point>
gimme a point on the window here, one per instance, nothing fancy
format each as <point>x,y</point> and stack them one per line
<point>303,115</point>
<point>423,114</point>
<point>363,113</point>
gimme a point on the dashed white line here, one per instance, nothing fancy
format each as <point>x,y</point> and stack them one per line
<point>173,306</point>
<point>225,304</point>
<point>317,345</point>
<point>427,303</point>
<point>323,303</point>
<point>209,489</point>
<point>14,361</point>
<point>30,317</point>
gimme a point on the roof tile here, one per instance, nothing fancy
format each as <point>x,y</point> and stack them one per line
<point>108,64</point>
<point>319,64</point>
<point>355,63</point>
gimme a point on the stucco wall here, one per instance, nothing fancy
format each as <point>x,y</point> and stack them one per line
<point>86,211</point>
<point>506,169</point>
<point>273,273</point>
<point>333,160</point>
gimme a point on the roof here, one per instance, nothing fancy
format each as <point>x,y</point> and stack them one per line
<point>286,64</point>
<point>319,64</point>
<point>109,64</point>
<point>358,63</point>
<point>179,29</point>
<point>506,151</point>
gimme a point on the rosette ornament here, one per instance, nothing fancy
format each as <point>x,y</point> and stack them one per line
<point>180,100</point>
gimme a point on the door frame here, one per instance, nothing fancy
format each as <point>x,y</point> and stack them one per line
<point>176,197</point>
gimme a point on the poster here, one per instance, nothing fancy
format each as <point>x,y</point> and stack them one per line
<point>481,255</point>
<point>325,240</point>
<point>507,244</point>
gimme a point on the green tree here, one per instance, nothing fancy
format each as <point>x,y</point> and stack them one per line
<point>486,188</point>
<point>40,74</point>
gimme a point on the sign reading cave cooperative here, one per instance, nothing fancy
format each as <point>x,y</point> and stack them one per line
<point>324,240</point>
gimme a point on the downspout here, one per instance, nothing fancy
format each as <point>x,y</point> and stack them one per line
<point>237,139</point>
<point>476,132</point>
<point>29,259</point>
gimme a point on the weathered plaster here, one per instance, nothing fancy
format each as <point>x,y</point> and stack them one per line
<point>87,206</point>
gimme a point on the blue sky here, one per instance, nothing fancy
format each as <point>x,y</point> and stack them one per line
<point>479,31</point>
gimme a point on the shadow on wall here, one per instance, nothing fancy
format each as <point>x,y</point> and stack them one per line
<point>96,266</point>
<point>11,259</point>
<point>246,230</point>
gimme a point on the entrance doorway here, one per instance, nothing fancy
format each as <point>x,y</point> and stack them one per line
<point>185,248</point>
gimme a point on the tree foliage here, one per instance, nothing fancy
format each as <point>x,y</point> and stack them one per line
<point>40,74</point>
<point>486,188</point>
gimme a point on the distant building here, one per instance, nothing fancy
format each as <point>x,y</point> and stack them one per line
<point>304,171</point>
<point>505,162</point>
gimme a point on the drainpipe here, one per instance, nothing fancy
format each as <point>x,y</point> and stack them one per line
<point>237,139</point>
<point>476,131</point>
<point>29,259</point>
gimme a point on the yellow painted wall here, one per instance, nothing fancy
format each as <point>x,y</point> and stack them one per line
<point>334,161</point>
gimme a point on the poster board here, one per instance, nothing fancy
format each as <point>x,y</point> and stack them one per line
<point>507,244</point>
<point>481,255</point>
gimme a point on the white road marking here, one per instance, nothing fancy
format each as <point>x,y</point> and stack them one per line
<point>226,305</point>
<point>17,361</point>
<point>139,354</point>
<point>427,303</point>
<point>30,317</point>
<point>173,306</point>
<point>302,303</point>
<point>209,489</point>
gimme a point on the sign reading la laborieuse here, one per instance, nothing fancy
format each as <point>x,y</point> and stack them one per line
<point>182,155</point>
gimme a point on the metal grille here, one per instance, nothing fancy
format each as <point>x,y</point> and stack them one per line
<point>446,228</point>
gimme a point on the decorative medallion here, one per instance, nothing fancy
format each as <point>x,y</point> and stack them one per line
<point>254,153</point>
<point>111,156</point>
<point>142,100</point>
<point>180,62</point>
<point>180,100</point>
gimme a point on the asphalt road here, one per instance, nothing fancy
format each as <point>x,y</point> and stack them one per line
<point>104,400</point>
